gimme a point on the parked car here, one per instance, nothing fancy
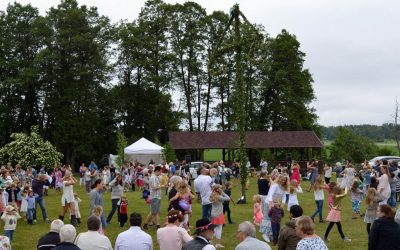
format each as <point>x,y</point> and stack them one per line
<point>194,166</point>
<point>381,158</point>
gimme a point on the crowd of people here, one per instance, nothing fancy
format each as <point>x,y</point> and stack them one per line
<point>22,190</point>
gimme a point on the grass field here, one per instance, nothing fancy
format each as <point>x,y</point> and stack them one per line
<point>26,236</point>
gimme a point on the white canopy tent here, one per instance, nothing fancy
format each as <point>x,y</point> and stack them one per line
<point>144,150</point>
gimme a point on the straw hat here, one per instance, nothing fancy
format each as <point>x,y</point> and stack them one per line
<point>10,208</point>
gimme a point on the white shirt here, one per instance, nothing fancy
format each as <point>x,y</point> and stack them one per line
<point>328,172</point>
<point>319,194</point>
<point>275,191</point>
<point>93,240</point>
<point>208,246</point>
<point>202,185</point>
<point>134,239</point>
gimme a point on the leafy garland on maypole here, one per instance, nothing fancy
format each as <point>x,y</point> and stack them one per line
<point>239,95</point>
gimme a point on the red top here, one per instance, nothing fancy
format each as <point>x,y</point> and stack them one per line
<point>123,208</point>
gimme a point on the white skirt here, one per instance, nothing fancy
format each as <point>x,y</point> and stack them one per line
<point>24,206</point>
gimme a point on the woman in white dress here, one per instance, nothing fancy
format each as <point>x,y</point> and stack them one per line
<point>348,179</point>
<point>384,184</point>
<point>67,199</point>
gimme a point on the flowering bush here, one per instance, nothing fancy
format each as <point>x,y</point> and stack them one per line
<point>30,150</point>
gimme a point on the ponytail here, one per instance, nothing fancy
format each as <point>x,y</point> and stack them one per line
<point>94,185</point>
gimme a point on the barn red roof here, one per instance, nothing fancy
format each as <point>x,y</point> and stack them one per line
<point>254,139</point>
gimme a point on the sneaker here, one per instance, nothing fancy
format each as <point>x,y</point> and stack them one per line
<point>345,239</point>
<point>266,238</point>
<point>326,239</point>
<point>219,246</point>
<point>321,221</point>
<point>47,220</point>
<point>34,222</point>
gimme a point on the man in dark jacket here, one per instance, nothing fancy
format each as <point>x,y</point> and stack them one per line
<point>52,238</point>
<point>205,233</point>
<point>288,239</point>
<point>37,188</point>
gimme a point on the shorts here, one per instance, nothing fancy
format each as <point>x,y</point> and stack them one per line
<point>355,206</point>
<point>155,206</point>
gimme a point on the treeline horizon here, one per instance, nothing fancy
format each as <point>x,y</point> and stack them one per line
<point>377,133</point>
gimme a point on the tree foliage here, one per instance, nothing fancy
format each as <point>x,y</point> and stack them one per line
<point>122,143</point>
<point>30,150</point>
<point>351,146</point>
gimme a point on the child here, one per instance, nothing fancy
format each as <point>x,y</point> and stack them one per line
<point>334,214</point>
<point>31,198</point>
<point>122,211</point>
<point>2,201</point>
<point>371,201</point>
<point>293,191</point>
<point>184,195</point>
<point>24,204</point>
<point>127,182</point>
<point>88,179</point>
<point>356,198</point>
<point>77,212</point>
<point>98,211</point>
<point>59,180</point>
<point>276,213</point>
<point>295,173</point>
<point>227,191</point>
<point>329,189</point>
<point>319,198</point>
<point>367,176</point>
<point>10,218</point>
<point>12,191</point>
<point>258,216</point>
<point>217,216</point>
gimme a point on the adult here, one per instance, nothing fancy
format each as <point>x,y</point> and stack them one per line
<point>117,188</point>
<point>313,168</point>
<point>52,238</point>
<point>96,198</point>
<point>338,170</point>
<point>384,183</point>
<point>205,233</point>
<point>246,234</point>
<point>134,238</point>
<point>174,204</point>
<point>221,172</point>
<point>263,185</point>
<point>277,190</point>
<point>348,173</point>
<point>92,239</point>
<point>93,166</point>
<point>328,172</point>
<point>377,167</point>
<point>67,198</point>
<point>37,188</point>
<point>202,185</point>
<point>164,175</point>
<point>155,197</point>
<point>295,172</point>
<point>82,170</point>
<point>264,165</point>
<point>172,236</point>
<point>288,238</point>
<point>184,171</point>
<point>67,237</point>
<point>385,231</point>
<point>309,240</point>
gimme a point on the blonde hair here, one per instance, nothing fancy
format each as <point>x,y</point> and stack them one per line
<point>183,187</point>
<point>293,186</point>
<point>215,193</point>
<point>257,198</point>
<point>305,224</point>
<point>97,210</point>
<point>371,196</point>
<point>318,183</point>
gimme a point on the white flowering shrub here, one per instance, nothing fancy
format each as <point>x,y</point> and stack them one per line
<point>30,150</point>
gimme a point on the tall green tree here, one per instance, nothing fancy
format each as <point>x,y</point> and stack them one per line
<point>77,73</point>
<point>287,87</point>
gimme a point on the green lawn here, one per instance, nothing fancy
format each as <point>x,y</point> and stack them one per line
<point>26,236</point>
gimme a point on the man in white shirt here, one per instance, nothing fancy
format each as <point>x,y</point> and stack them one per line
<point>202,185</point>
<point>155,197</point>
<point>134,238</point>
<point>246,234</point>
<point>92,239</point>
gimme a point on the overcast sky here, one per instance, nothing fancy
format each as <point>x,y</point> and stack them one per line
<point>352,48</point>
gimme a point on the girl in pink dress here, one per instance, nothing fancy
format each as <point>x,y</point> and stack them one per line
<point>295,173</point>
<point>258,215</point>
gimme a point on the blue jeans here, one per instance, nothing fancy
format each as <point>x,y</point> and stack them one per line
<point>275,230</point>
<point>9,234</point>
<point>392,200</point>
<point>31,212</point>
<point>320,205</point>
<point>40,200</point>
<point>206,211</point>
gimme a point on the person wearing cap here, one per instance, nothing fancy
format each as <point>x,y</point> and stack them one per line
<point>205,233</point>
<point>52,238</point>
<point>67,237</point>
<point>10,218</point>
<point>246,234</point>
